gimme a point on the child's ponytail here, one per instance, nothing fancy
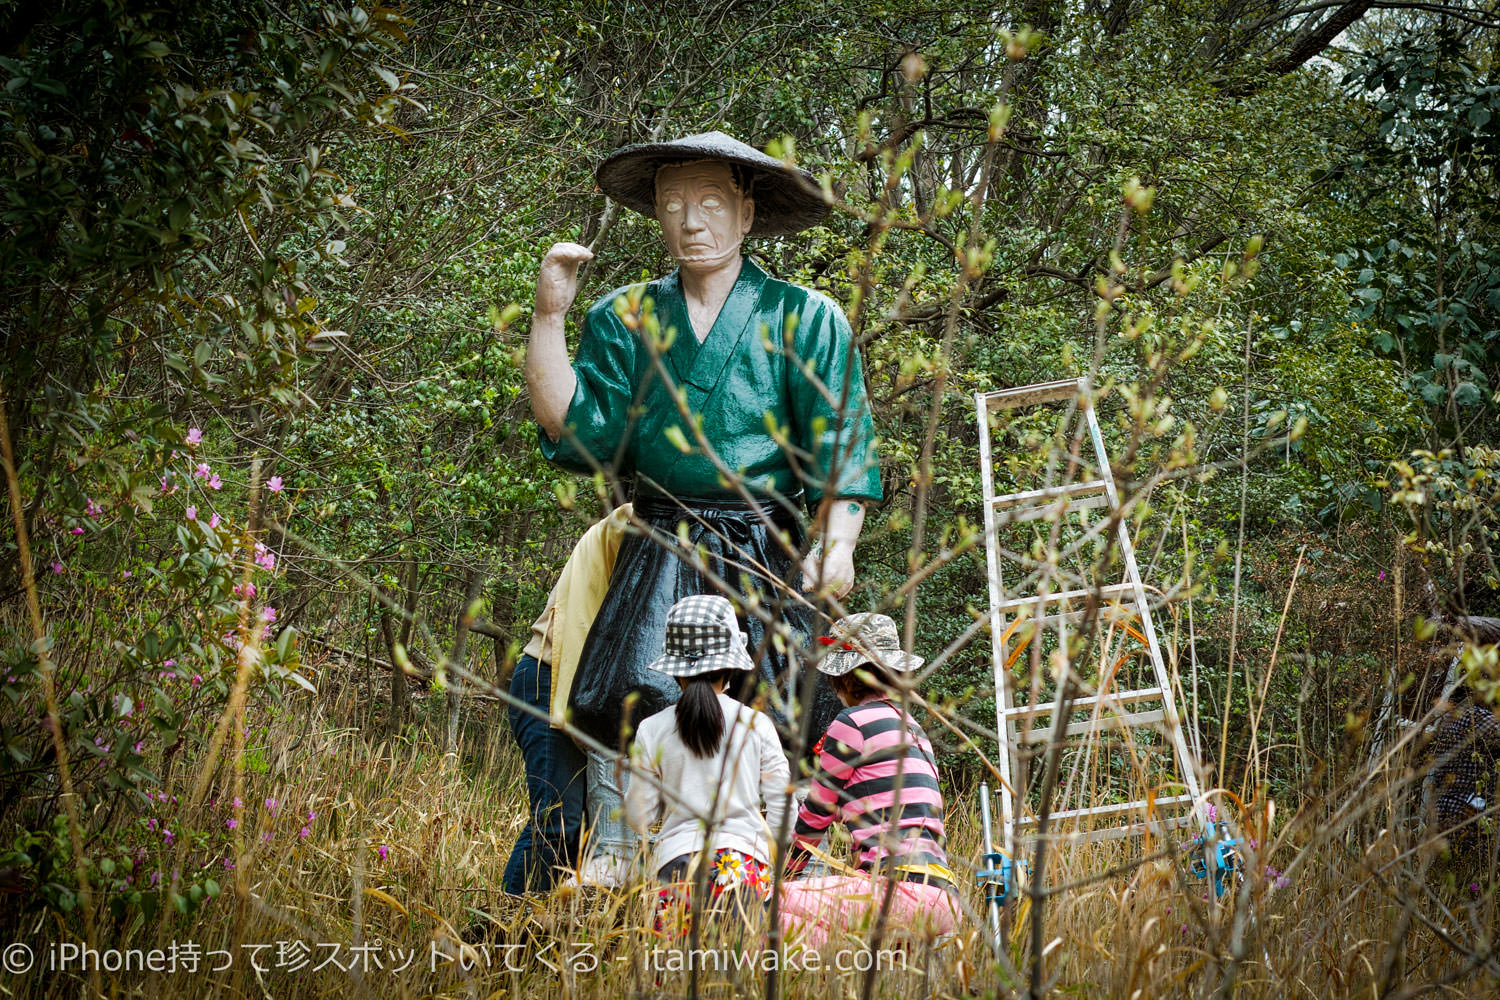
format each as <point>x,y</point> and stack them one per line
<point>700,720</point>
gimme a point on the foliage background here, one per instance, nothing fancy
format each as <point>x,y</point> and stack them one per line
<point>294,246</point>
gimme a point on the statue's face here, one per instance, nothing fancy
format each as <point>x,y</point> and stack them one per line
<point>704,217</point>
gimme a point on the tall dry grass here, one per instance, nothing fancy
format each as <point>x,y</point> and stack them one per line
<point>405,852</point>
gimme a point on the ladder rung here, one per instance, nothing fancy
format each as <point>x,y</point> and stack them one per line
<point>1052,500</point>
<point>1042,510</point>
<point>1113,809</point>
<point>1050,493</point>
<point>1132,720</point>
<point>1032,395</point>
<point>1157,828</point>
<point>1113,590</point>
<point>1088,702</point>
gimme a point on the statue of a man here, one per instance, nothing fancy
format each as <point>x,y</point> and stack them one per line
<point>747,352</point>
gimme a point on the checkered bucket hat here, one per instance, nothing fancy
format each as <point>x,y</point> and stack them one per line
<point>702,636</point>
<point>865,638</point>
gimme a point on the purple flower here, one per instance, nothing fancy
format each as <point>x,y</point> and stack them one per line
<point>382,852</point>
<point>191,513</point>
<point>303,833</point>
<point>170,663</point>
<point>271,806</point>
<point>237,803</point>
<point>194,435</point>
<point>274,484</point>
<point>93,509</point>
<point>139,744</point>
<point>268,613</point>
<point>1382,574</point>
<point>126,574</point>
<point>228,865</point>
<point>167,836</point>
<point>57,566</point>
<point>231,822</point>
<point>76,531</point>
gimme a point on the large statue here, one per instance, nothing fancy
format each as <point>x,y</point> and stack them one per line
<point>747,351</point>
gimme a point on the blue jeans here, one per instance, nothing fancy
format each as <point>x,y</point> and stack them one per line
<point>555,784</point>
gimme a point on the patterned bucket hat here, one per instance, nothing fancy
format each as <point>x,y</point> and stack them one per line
<point>865,638</point>
<point>702,635</point>
<point>787,200</point>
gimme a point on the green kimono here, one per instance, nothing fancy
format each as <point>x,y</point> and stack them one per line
<point>767,421</point>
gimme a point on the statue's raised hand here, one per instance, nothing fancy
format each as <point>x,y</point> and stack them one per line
<point>557,279</point>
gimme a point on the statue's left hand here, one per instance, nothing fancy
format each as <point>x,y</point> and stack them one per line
<point>837,571</point>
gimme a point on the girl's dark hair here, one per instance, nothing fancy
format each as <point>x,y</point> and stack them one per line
<point>700,720</point>
<point>861,682</point>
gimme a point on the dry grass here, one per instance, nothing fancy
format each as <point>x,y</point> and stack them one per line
<point>1366,910</point>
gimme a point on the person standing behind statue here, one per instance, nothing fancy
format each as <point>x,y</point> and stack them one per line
<point>542,680</point>
<point>766,371</point>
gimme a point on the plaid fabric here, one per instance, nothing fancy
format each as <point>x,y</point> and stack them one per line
<point>702,635</point>
<point>865,638</point>
<point>1464,754</point>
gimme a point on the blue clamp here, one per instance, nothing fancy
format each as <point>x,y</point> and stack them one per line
<point>1226,856</point>
<point>995,875</point>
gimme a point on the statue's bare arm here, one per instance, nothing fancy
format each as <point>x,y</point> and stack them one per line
<point>832,568</point>
<point>549,374</point>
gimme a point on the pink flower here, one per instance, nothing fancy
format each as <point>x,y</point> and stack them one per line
<point>271,806</point>
<point>214,482</point>
<point>168,837</point>
<point>311,815</point>
<point>246,590</point>
<point>197,679</point>
<point>76,531</point>
<point>170,663</point>
<point>57,566</point>
<point>237,803</point>
<point>274,484</point>
<point>264,557</point>
<point>126,574</point>
<point>194,435</point>
<point>138,746</point>
<point>1382,574</point>
<point>213,522</point>
<point>228,865</point>
<point>382,852</point>
<point>93,509</point>
<point>231,822</point>
<point>203,471</point>
<point>303,833</point>
<point>191,513</point>
<point>268,613</point>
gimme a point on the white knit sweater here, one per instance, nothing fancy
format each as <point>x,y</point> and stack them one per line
<point>723,793</point>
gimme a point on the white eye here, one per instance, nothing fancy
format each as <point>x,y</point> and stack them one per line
<point>712,203</point>
<point>672,204</point>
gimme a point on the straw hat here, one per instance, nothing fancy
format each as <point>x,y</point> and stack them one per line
<point>702,636</point>
<point>787,199</point>
<point>866,638</point>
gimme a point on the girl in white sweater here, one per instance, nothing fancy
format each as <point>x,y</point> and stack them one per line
<point>710,768</point>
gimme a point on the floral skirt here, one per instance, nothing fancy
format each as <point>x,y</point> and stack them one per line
<point>737,882</point>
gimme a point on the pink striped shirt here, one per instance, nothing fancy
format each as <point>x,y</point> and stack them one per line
<point>876,775</point>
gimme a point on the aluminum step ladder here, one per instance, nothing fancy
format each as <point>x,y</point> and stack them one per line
<point>1112,608</point>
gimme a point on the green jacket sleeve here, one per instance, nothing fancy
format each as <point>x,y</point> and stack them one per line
<point>599,414</point>
<point>831,422</point>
